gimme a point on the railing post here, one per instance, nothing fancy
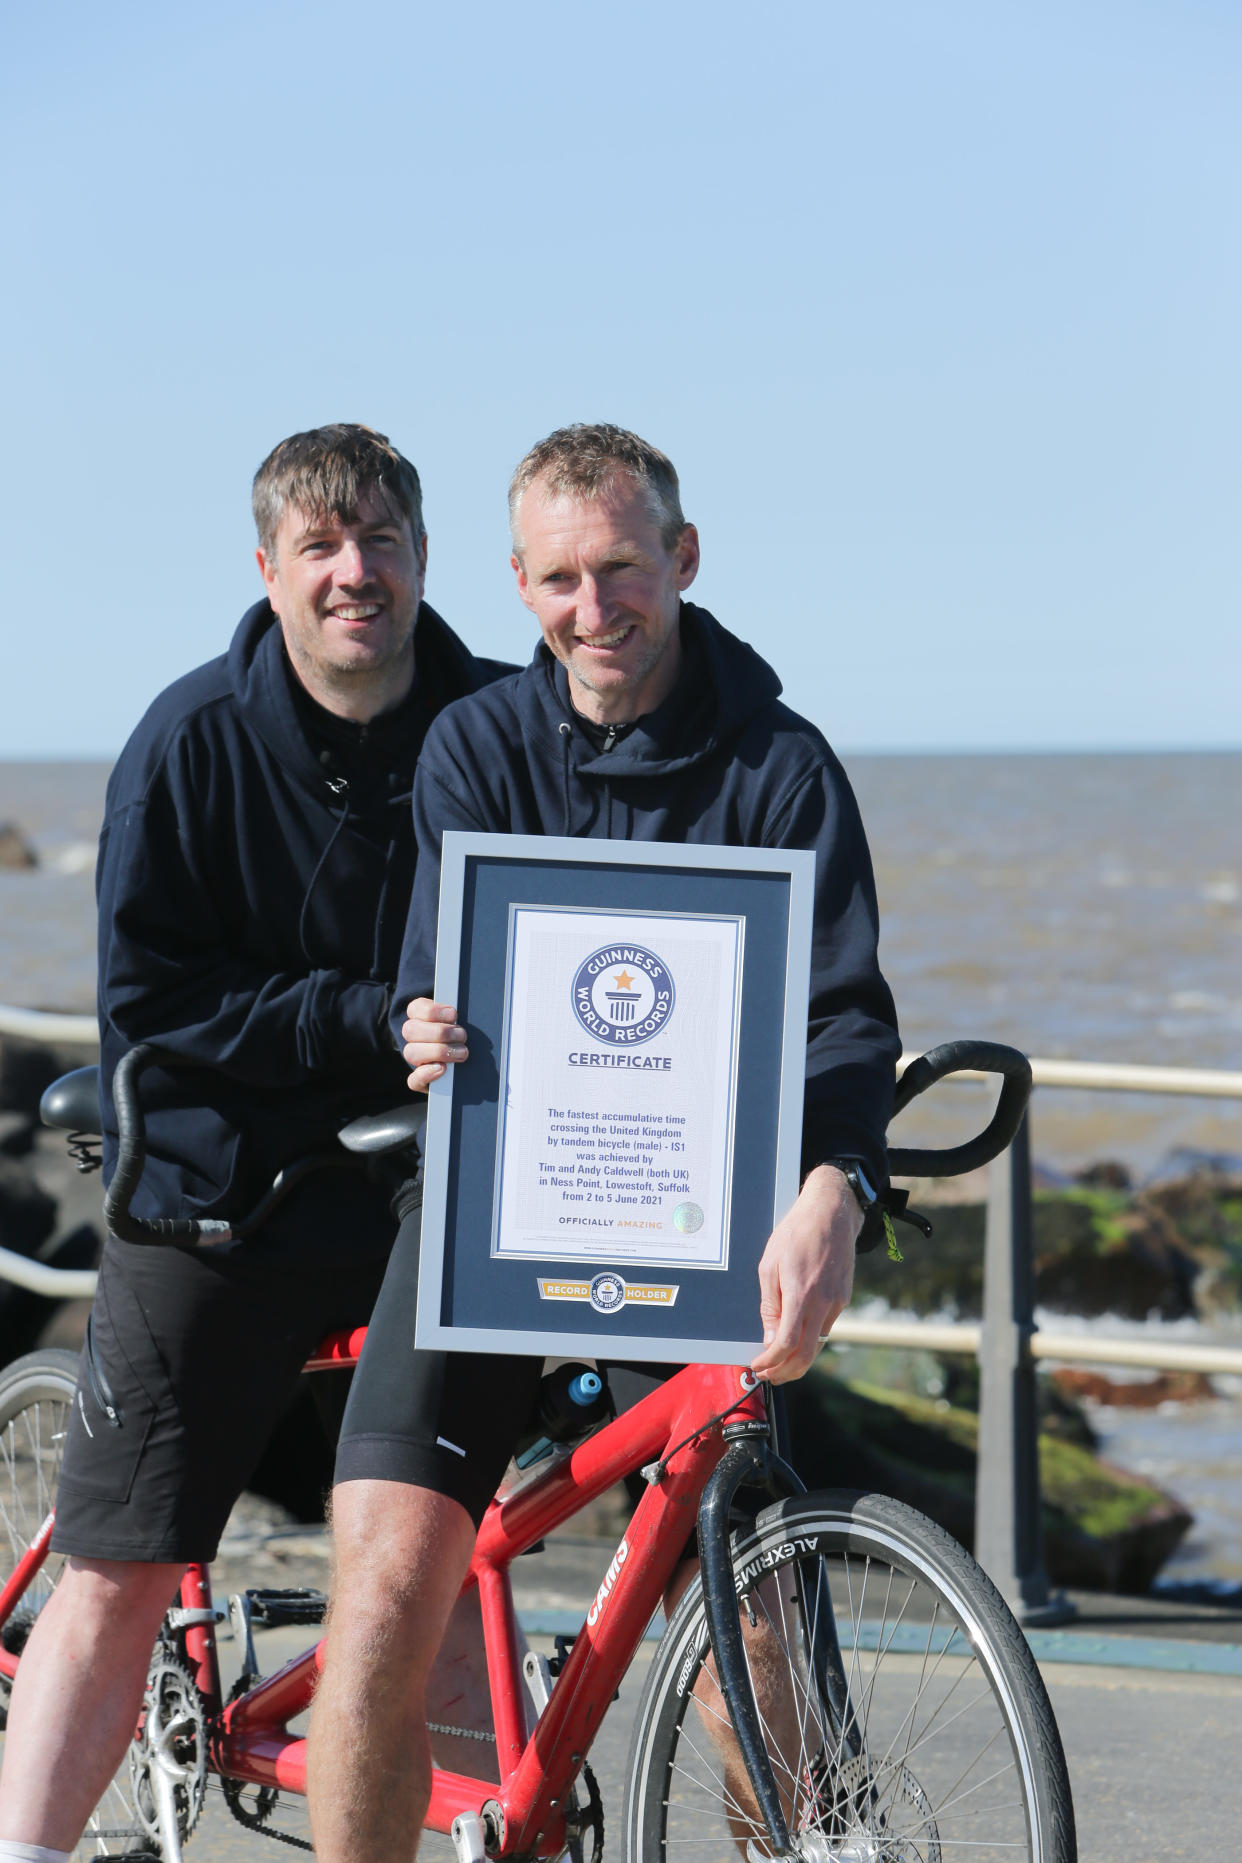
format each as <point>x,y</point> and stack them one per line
<point>1009,1541</point>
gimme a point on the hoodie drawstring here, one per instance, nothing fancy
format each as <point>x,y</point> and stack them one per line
<point>339,787</point>
<point>566,731</point>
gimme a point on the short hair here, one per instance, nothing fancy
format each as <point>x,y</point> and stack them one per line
<point>585,461</point>
<point>327,472</point>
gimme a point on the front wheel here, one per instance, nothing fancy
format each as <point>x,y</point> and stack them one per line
<point>903,1713</point>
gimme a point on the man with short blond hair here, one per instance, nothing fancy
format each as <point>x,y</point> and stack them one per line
<point>254,871</point>
<point>642,718</point>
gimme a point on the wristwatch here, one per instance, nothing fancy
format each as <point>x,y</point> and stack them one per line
<point>858,1181</point>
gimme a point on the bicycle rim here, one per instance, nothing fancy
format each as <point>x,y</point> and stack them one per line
<point>35,1395</point>
<point>935,1743</point>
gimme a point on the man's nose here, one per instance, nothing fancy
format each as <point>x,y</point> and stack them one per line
<point>591,607</point>
<point>353,564</point>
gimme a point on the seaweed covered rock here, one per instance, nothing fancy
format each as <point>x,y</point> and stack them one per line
<point>1103,1528</point>
<point>1097,1251</point>
<point>1172,1249</point>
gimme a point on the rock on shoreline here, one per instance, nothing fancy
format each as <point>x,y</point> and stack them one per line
<point>1172,1250</point>
<point>1104,1529</point>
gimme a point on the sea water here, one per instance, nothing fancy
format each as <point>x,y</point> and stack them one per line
<point>1087,907</point>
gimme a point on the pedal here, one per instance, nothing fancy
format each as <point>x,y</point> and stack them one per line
<point>563,1647</point>
<point>299,1605</point>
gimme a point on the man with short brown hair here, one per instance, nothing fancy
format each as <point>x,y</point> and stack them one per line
<point>254,871</point>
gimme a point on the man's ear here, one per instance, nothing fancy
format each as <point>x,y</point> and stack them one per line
<point>523,586</point>
<point>267,569</point>
<point>686,556</point>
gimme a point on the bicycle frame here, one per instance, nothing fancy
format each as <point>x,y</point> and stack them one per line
<point>527,1808</point>
<point>677,1435</point>
<point>680,1431</point>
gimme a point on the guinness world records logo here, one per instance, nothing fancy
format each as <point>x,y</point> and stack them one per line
<point>623,995</point>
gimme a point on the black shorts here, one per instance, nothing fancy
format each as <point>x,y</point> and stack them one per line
<point>447,1421</point>
<point>198,1354</point>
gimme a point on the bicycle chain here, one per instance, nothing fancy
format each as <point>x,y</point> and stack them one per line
<point>256,1820</point>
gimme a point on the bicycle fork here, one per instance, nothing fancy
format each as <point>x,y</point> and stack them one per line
<point>749,1461</point>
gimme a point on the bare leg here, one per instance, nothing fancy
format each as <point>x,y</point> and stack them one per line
<point>401,1556</point>
<point>77,1696</point>
<point>769,1671</point>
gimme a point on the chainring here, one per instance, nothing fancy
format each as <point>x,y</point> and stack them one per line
<point>172,1742</point>
<point>590,1820</point>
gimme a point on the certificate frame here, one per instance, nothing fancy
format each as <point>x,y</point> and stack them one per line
<point>483,1285</point>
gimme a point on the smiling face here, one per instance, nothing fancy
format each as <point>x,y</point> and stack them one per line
<point>604,586</point>
<point>347,593</point>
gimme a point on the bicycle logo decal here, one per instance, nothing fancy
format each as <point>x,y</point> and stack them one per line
<point>623,995</point>
<point>610,1578</point>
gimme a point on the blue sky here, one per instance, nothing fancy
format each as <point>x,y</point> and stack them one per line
<point>935,307</point>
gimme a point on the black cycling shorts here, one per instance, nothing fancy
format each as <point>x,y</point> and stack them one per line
<point>198,1354</point>
<point>447,1421</point>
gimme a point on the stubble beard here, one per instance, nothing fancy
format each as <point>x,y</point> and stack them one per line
<point>353,678</point>
<point>647,665</point>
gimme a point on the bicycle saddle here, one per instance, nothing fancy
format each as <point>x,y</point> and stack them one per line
<point>72,1102</point>
<point>380,1132</point>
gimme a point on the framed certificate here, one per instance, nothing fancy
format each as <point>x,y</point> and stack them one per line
<point>603,1173</point>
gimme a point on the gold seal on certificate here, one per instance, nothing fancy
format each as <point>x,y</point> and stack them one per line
<point>618,1084</point>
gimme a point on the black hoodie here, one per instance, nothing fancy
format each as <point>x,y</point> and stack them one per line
<point>254,871</point>
<point>720,762</point>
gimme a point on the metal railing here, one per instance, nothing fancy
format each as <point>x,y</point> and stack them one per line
<point>49,1026</point>
<point>1007,1342</point>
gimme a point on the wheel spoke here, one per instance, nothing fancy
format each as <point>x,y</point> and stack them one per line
<point>943,1747</point>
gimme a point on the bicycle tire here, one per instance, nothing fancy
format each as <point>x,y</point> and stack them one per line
<point>35,1395</point>
<point>950,1748</point>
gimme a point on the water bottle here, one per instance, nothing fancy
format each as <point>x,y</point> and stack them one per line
<point>572,1399</point>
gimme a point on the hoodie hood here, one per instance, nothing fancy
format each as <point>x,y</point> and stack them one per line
<point>723,685</point>
<point>259,674</point>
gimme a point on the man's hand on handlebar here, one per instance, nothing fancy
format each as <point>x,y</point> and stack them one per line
<point>806,1275</point>
<point>433,1041</point>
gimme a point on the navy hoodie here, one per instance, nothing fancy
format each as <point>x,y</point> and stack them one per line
<point>720,762</point>
<point>254,873</point>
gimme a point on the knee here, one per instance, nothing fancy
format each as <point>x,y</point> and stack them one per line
<point>401,1555</point>
<point>112,1599</point>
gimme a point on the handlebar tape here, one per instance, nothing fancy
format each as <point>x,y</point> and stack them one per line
<point>955,1057</point>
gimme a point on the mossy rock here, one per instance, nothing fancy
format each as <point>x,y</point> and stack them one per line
<point>1173,1250</point>
<point>940,1275</point>
<point>1103,1528</point>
